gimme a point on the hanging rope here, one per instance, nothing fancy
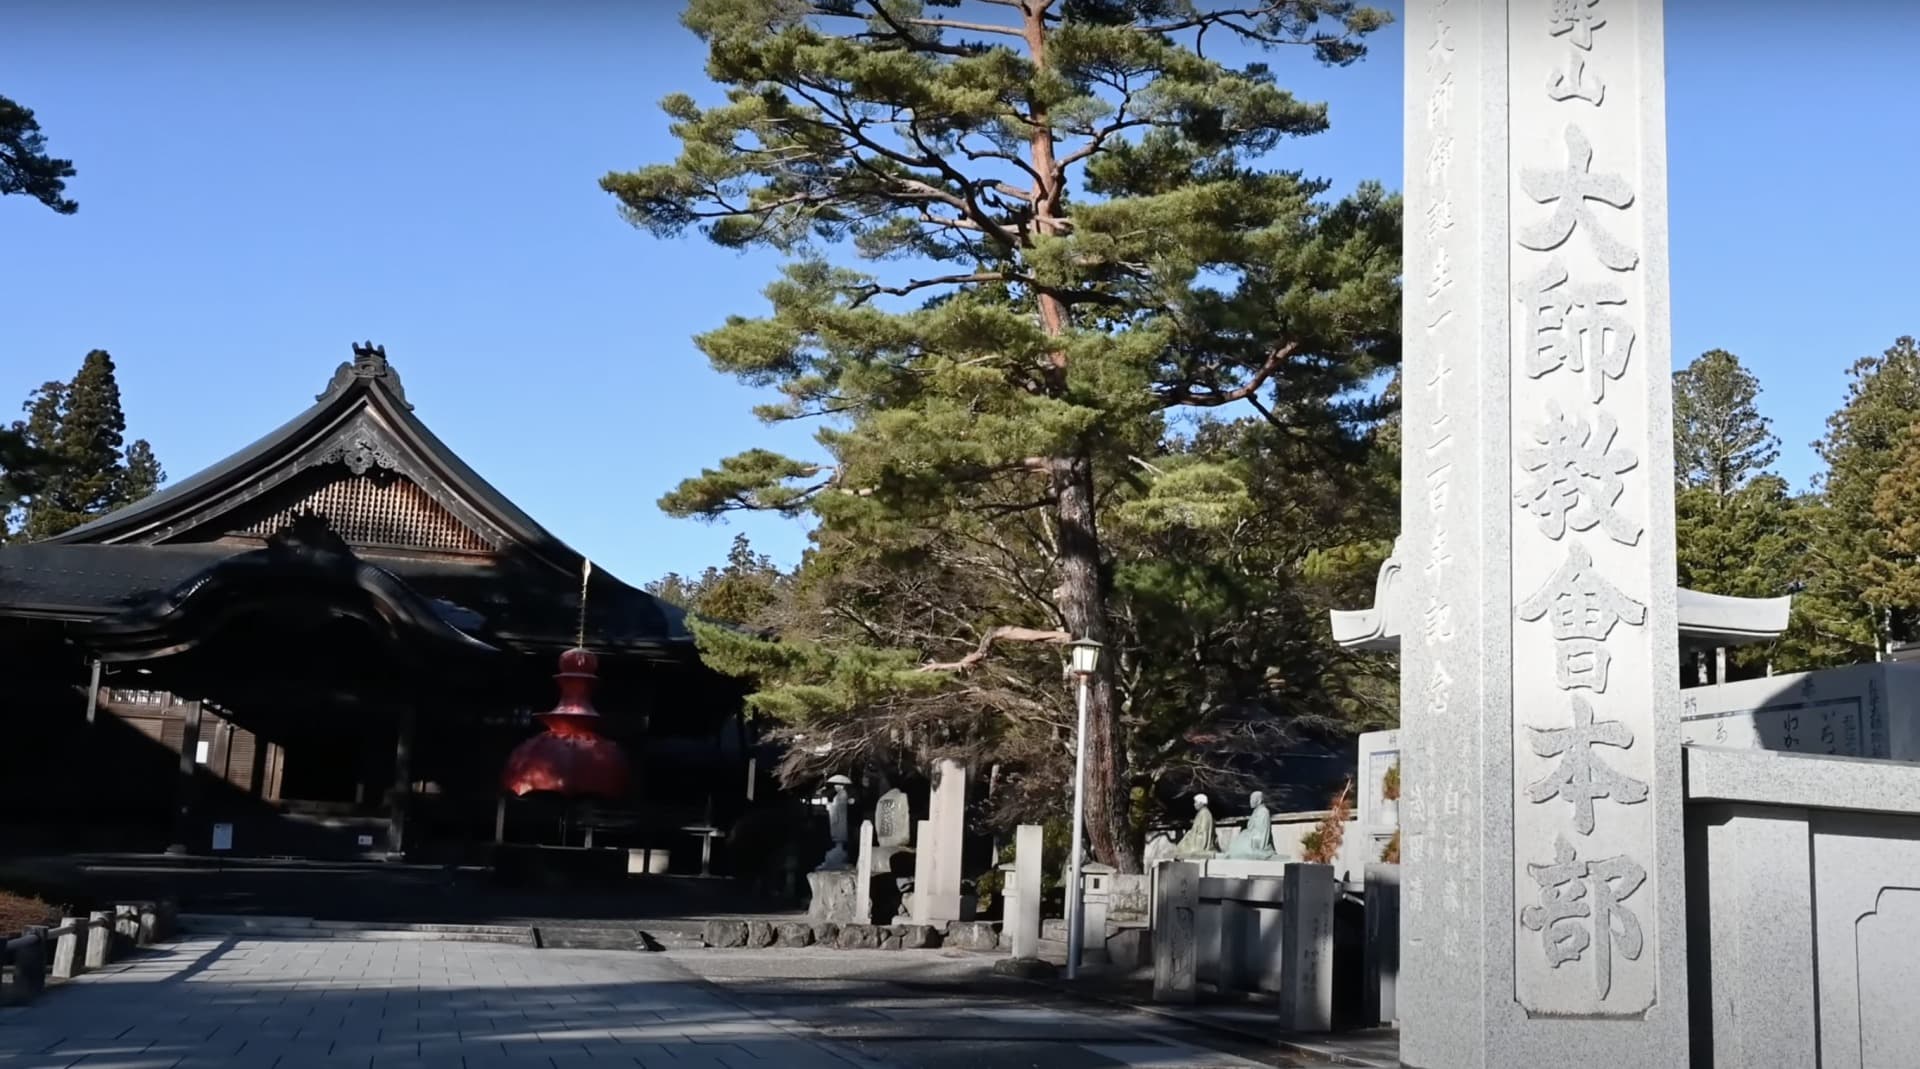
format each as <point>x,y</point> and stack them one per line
<point>586,572</point>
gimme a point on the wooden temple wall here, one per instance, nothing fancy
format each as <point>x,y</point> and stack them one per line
<point>225,750</point>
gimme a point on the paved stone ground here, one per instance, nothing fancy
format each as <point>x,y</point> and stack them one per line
<point>263,1004</point>
<point>945,1010</point>
<point>271,1004</point>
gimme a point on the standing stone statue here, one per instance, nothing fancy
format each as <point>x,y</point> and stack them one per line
<point>1198,841</point>
<point>1255,841</point>
<point>837,825</point>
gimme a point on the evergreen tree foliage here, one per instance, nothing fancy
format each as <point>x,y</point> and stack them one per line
<point>1738,530</point>
<point>1846,612</point>
<point>1075,238</point>
<point>743,592</point>
<point>1894,580</point>
<point>25,167</point>
<point>78,426</point>
<point>22,467</point>
<point>1720,439</point>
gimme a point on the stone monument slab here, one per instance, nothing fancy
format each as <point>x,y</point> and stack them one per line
<point>1306,986</point>
<point>940,896</point>
<point>1176,902</point>
<point>922,873</point>
<point>1541,833</point>
<point>1023,928</point>
<point>863,877</point>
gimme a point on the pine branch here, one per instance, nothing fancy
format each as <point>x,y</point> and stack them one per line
<point>1184,395</point>
<point>998,634</point>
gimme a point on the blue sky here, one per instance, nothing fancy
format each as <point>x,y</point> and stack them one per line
<point>262,185</point>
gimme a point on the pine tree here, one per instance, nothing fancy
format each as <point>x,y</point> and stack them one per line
<point>25,166</point>
<point>1080,239</point>
<point>80,428</point>
<point>1845,618</point>
<point>1720,439</point>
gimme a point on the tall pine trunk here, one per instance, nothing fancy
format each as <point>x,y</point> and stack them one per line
<point>1082,596</point>
<point>1083,602</point>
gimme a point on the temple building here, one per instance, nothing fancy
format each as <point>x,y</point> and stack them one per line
<point>328,644</point>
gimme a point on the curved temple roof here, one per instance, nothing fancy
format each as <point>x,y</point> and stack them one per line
<point>1705,619</point>
<point>525,586</point>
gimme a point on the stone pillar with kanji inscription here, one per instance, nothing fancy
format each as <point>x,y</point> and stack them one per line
<point>1542,895</point>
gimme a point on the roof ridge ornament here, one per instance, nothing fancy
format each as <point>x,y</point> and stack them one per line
<point>369,363</point>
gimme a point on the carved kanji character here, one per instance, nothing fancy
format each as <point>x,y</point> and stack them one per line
<point>1439,161</point>
<point>1439,488</point>
<point>1575,82</point>
<point>1440,50</point>
<point>1563,893</point>
<point>1439,553</point>
<point>1572,325</point>
<point>1439,690</point>
<point>1573,891</point>
<point>1585,609</point>
<point>1581,777</point>
<point>1569,190</point>
<point>1440,276</point>
<point>1437,620</point>
<point>1575,20</point>
<point>1440,215</point>
<point>1440,108</point>
<point>1576,477</point>
<point>1614,880</point>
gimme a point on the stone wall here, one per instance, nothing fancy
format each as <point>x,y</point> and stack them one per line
<point>1803,899</point>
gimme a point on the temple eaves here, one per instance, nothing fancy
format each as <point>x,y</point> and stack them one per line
<point>1705,619</point>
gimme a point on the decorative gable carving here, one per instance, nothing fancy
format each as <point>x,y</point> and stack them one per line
<point>361,451</point>
<point>367,504</point>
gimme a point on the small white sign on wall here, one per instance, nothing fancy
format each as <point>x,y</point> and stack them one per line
<point>365,840</point>
<point>223,836</point>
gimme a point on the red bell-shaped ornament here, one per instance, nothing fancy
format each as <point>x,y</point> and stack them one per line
<point>570,757</point>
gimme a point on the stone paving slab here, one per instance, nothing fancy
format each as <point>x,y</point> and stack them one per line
<point>240,1002</point>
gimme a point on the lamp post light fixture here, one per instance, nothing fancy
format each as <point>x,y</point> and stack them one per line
<point>1086,659</point>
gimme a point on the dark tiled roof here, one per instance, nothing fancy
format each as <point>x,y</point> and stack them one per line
<point>530,595</point>
<point>89,581</point>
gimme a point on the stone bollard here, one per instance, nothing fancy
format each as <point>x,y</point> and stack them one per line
<point>166,920</point>
<point>1382,955</point>
<point>1176,903</point>
<point>126,929</point>
<point>23,967</point>
<point>99,941</point>
<point>70,948</point>
<point>1306,987</point>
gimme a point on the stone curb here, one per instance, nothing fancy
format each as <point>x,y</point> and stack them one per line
<point>1283,1041</point>
<point>263,927</point>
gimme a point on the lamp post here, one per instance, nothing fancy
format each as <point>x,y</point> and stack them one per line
<point>1086,658</point>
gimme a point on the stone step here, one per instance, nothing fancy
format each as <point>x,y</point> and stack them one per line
<point>309,928</point>
<point>551,937</point>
